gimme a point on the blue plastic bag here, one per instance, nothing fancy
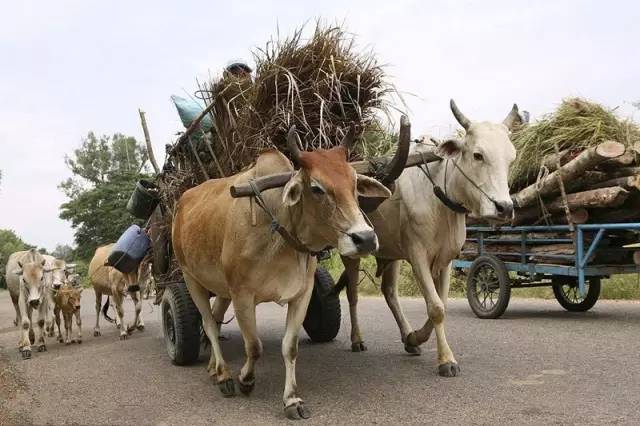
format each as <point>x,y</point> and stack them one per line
<point>189,110</point>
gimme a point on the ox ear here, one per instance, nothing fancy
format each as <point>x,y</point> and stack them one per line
<point>293,190</point>
<point>450,148</point>
<point>370,188</point>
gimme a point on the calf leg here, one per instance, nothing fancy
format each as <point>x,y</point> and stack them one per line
<point>137,303</point>
<point>96,329</point>
<point>217,365</point>
<point>79,324</point>
<point>67,328</point>
<point>447,365</point>
<point>56,315</point>
<point>293,405</point>
<point>352,274</point>
<point>49,320</point>
<point>390,292</point>
<point>245,309</point>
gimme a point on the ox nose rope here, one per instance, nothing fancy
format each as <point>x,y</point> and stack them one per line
<point>275,225</point>
<point>442,194</point>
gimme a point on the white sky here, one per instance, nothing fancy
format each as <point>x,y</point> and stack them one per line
<point>68,67</point>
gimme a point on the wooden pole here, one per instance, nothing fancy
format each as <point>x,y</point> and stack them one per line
<point>147,139</point>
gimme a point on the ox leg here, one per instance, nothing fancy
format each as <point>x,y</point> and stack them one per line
<point>49,319</point>
<point>390,292</point>
<point>24,344</point>
<point>294,407</point>
<point>16,321</point>
<point>220,306</point>
<point>217,365</point>
<point>43,313</point>
<point>118,300</point>
<point>96,329</point>
<point>79,324</point>
<point>56,316</point>
<point>137,303</point>
<point>245,309</point>
<point>352,274</point>
<point>447,365</point>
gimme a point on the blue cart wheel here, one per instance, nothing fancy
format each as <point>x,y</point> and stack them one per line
<point>488,287</point>
<point>568,295</point>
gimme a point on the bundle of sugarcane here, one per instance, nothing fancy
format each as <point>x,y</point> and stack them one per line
<point>582,160</point>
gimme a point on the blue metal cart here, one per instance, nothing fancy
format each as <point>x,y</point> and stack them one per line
<point>515,257</point>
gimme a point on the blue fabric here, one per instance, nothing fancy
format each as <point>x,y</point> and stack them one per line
<point>189,110</point>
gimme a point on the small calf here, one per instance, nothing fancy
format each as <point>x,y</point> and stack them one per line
<point>67,300</point>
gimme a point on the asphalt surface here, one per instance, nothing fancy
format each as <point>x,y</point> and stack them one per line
<point>536,365</point>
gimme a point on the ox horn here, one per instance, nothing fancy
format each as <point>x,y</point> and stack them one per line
<point>349,138</point>
<point>464,121</point>
<point>513,118</point>
<point>395,167</point>
<point>293,141</point>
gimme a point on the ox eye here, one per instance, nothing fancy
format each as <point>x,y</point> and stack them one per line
<point>317,189</point>
<point>477,156</point>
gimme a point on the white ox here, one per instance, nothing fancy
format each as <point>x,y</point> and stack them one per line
<point>54,278</point>
<point>225,246</point>
<point>414,225</point>
<point>25,275</point>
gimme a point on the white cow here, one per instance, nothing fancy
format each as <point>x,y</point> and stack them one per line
<point>25,275</point>
<point>416,226</point>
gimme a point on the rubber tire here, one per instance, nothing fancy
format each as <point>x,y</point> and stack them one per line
<point>504,294</point>
<point>592,297</point>
<point>322,321</point>
<point>185,320</point>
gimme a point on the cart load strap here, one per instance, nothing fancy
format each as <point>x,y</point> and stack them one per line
<point>189,109</point>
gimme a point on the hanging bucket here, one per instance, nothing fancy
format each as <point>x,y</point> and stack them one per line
<point>129,250</point>
<point>144,199</point>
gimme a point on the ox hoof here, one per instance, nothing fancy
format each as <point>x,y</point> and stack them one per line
<point>412,350</point>
<point>124,336</point>
<point>97,333</point>
<point>227,387</point>
<point>67,343</point>
<point>246,388</point>
<point>358,347</point>
<point>60,340</point>
<point>297,411</point>
<point>26,353</point>
<point>449,369</point>
<point>140,327</point>
<point>118,326</point>
<point>79,341</point>
<point>73,341</point>
<point>42,348</point>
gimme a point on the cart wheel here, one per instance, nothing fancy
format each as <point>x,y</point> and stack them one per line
<point>488,287</point>
<point>568,296</point>
<point>180,325</point>
<point>322,322</point>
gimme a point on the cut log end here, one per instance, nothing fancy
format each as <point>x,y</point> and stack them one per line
<point>610,149</point>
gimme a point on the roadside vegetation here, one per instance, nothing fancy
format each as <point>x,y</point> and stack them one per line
<point>620,287</point>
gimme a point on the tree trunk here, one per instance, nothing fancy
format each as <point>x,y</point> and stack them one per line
<point>147,139</point>
<point>586,160</point>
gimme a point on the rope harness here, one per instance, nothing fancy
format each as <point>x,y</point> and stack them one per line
<point>442,195</point>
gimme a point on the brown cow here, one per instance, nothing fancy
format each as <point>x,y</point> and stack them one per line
<point>226,246</point>
<point>67,301</point>
<point>109,281</point>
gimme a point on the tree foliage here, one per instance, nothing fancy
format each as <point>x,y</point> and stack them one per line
<point>9,243</point>
<point>104,170</point>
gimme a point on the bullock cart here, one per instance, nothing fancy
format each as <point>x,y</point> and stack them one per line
<point>570,261</point>
<point>323,87</point>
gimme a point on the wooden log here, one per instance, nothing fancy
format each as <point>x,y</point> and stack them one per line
<point>147,139</point>
<point>551,161</point>
<point>636,257</point>
<point>625,160</point>
<point>619,172</point>
<point>587,159</point>
<point>553,249</point>
<point>602,197</point>
<point>628,212</point>
<point>630,183</point>
<point>577,216</point>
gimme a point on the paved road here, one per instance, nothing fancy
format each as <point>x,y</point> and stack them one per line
<point>536,365</point>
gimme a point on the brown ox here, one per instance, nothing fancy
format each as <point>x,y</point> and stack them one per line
<point>67,300</point>
<point>109,281</point>
<point>225,246</point>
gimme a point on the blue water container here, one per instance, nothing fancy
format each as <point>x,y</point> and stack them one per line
<point>129,250</point>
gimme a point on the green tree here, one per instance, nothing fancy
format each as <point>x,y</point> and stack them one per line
<point>104,170</point>
<point>64,252</point>
<point>9,243</point>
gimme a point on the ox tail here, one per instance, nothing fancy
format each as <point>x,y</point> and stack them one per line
<point>341,284</point>
<point>105,308</point>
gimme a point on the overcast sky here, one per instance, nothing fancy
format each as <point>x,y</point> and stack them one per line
<point>68,67</point>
